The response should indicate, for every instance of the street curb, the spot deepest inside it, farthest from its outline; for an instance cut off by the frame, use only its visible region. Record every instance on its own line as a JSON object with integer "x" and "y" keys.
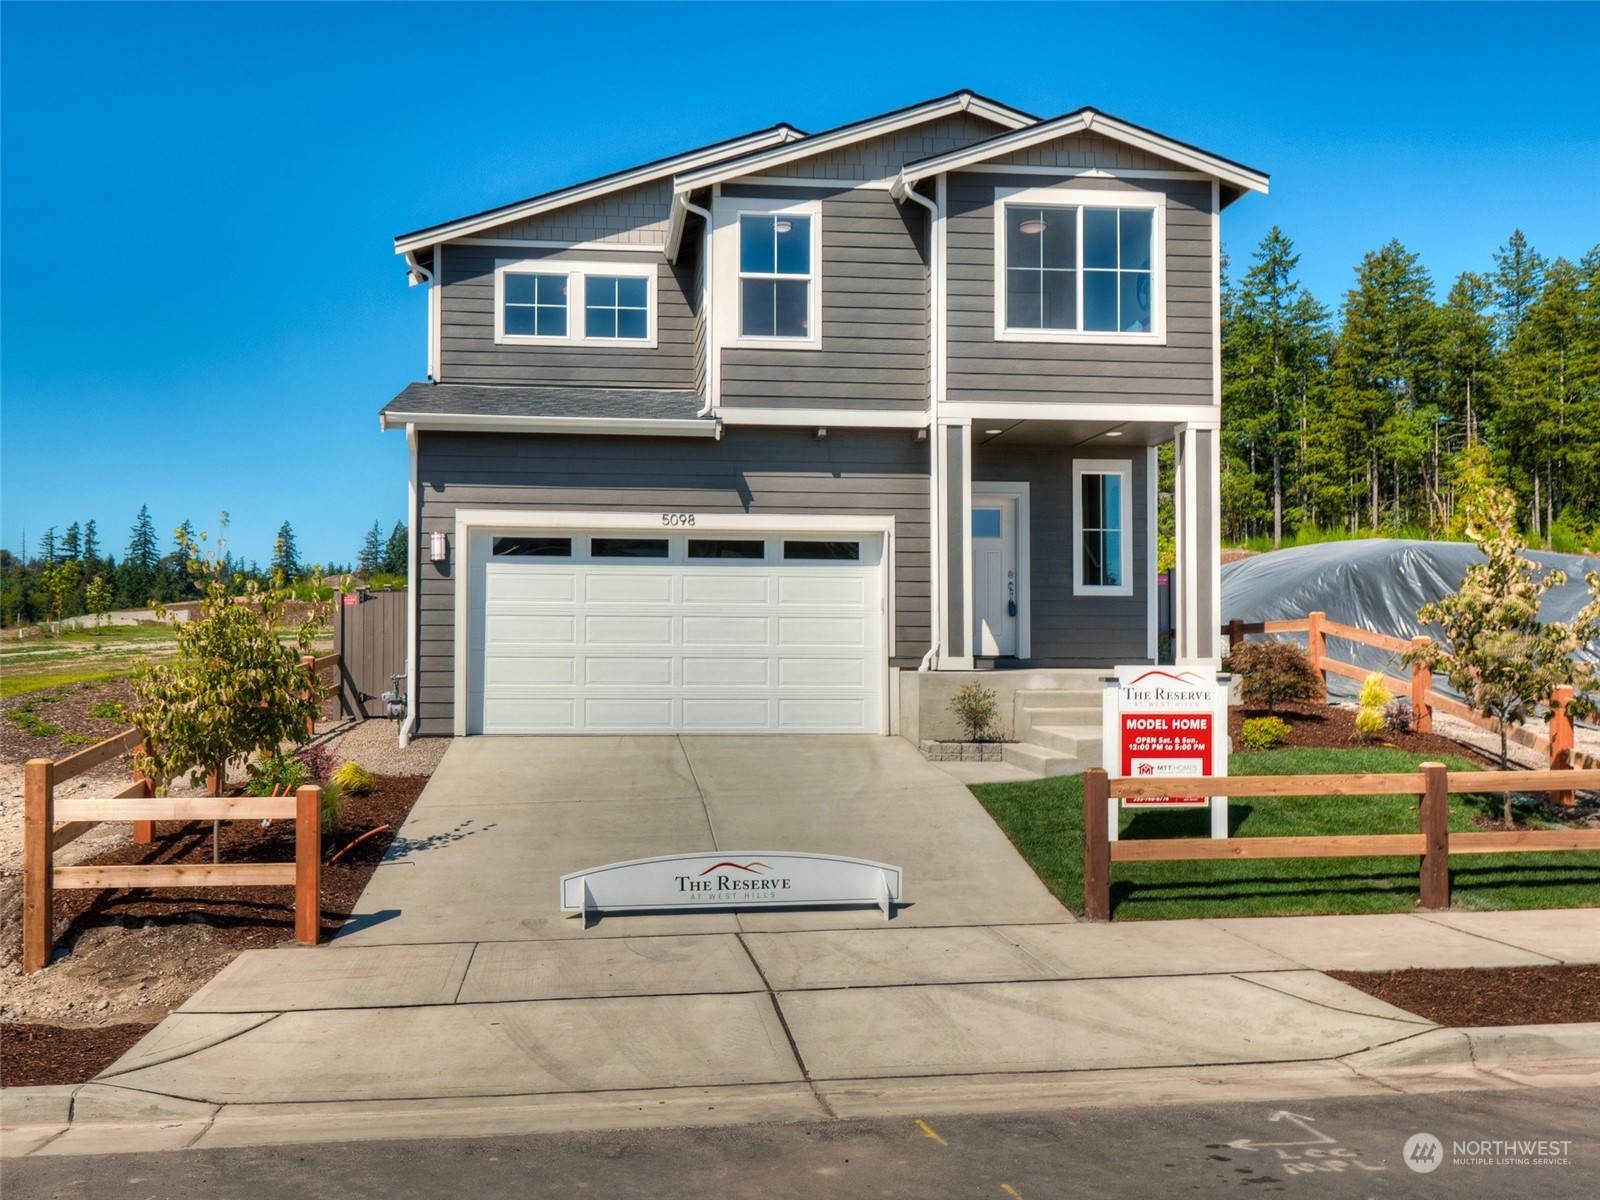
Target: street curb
{"x": 1488, "y": 1047}
{"x": 47, "y": 1105}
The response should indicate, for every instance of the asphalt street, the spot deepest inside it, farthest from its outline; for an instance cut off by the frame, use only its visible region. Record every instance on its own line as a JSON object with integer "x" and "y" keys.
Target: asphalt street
{"x": 1313, "y": 1148}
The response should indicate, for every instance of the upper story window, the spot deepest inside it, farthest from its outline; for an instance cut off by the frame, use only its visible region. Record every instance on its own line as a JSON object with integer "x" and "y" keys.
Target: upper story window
{"x": 1102, "y": 527}
{"x": 774, "y": 275}
{"x": 1079, "y": 271}
{"x": 558, "y": 301}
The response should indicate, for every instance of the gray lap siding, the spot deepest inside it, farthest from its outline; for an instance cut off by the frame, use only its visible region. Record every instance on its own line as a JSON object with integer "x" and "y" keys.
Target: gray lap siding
{"x": 1068, "y": 630}
{"x": 777, "y": 471}
{"x": 982, "y": 368}
{"x": 469, "y": 353}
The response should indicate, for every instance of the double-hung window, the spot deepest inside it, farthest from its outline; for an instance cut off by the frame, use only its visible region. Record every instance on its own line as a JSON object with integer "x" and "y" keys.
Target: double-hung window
{"x": 1079, "y": 266}
{"x": 774, "y": 275}
{"x": 560, "y": 301}
{"x": 1102, "y": 527}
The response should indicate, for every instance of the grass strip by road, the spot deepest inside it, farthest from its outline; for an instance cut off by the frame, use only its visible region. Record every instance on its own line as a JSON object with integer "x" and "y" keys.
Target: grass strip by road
{"x": 1044, "y": 820}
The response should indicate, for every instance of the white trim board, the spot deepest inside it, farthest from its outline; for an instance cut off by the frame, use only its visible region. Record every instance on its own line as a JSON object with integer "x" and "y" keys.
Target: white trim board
{"x": 1195, "y": 415}
{"x": 827, "y": 418}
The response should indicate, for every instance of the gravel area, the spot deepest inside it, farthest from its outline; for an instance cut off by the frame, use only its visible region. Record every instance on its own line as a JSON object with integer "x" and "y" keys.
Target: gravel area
{"x": 1454, "y": 728}
{"x": 374, "y": 744}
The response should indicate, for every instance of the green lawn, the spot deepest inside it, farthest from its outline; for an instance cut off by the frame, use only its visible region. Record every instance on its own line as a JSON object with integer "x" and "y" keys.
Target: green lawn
{"x": 1044, "y": 820}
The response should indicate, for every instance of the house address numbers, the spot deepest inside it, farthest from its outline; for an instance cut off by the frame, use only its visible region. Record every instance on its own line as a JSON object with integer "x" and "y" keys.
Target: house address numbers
{"x": 677, "y": 518}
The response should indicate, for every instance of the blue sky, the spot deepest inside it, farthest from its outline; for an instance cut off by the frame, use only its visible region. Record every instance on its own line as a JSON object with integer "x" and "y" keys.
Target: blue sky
{"x": 200, "y": 308}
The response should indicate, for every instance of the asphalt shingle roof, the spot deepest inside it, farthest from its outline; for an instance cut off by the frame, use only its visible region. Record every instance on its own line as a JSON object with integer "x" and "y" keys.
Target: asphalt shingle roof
{"x": 464, "y": 399}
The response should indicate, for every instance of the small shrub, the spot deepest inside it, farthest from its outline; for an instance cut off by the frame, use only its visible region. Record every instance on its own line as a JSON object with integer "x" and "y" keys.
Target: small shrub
{"x": 316, "y": 760}
{"x": 332, "y": 805}
{"x": 108, "y": 710}
{"x": 353, "y": 779}
{"x": 1263, "y": 733}
{"x": 976, "y": 707}
{"x": 1272, "y": 672}
{"x": 1398, "y": 717}
{"x": 1373, "y": 719}
{"x": 281, "y": 772}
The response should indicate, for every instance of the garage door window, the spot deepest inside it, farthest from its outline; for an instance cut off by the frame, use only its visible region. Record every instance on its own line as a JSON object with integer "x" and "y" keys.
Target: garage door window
{"x": 836, "y": 551}
{"x": 612, "y": 547}
{"x": 532, "y": 547}
{"x": 726, "y": 548}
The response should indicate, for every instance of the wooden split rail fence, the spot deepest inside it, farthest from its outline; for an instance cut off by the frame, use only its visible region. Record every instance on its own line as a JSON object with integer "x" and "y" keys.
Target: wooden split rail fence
{"x": 1558, "y": 746}
{"x": 136, "y": 803}
{"x": 1433, "y": 783}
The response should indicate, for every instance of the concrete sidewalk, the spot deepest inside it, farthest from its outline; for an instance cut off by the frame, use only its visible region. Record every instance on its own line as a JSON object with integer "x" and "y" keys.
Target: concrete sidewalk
{"x": 462, "y": 1002}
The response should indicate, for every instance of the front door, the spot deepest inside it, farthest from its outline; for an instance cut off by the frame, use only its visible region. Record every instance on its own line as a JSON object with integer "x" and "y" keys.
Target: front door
{"x": 994, "y": 579}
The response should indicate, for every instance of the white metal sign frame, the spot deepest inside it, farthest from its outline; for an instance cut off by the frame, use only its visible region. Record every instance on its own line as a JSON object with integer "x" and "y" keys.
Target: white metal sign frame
{"x": 1168, "y": 691}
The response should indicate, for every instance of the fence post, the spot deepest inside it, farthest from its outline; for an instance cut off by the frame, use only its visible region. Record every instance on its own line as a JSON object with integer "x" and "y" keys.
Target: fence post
{"x": 1561, "y": 742}
{"x": 144, "y": 832}
{"x": 1096, "y": 846}
{"x": 1235, "y": 634}
{"x": 308, "y": 864}
{"x": 308, "y": 661}
{"x": 1317, "y": 647}
{"x": 38, "y": 864}
{"x": 1434, "y": 815}
{"x": 1421, "y": 685}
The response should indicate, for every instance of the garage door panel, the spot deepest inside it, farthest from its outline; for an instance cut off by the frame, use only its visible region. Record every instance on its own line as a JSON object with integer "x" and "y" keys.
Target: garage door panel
{"x": 659, "y": 645}
{"x": 627, "y": 629}
{"x": 730, "y": 671}
{"x": 633, "y": 671}
{"x": 616, "y": 587}
{"x": 724, "y": 588}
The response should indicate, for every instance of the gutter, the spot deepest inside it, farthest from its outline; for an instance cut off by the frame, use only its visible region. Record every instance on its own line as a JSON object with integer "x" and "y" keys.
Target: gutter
{"x": 705, "y": 269}
{"x": 413, "y": 593}
{"x": 935, "y": 364}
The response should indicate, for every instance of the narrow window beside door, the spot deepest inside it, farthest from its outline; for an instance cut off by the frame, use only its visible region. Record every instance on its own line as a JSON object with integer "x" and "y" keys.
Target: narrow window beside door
{"x": 1102, "y": 522}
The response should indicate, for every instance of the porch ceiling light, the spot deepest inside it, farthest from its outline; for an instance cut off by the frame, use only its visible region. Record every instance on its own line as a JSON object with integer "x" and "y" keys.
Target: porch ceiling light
{"x": 1113, "y": 433}
{"x": 1033, "y": 225}
{"x": 992, "y": 432}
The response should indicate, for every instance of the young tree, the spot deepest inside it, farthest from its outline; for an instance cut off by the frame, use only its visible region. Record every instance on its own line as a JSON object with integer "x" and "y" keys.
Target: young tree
{"x": 285, "y": 555}
{"x": 99, "y": 598}
{"x": 61, "y": 583}
{"x": 396, "y": 550}
{"x": 371, "y": 557}
{"x": 1496, "y": 652}
{"x": 235, "y": 688}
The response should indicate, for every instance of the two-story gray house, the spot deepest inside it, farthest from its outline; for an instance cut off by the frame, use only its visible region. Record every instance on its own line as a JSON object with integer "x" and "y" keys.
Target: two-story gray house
{"x": 772, "y": 435}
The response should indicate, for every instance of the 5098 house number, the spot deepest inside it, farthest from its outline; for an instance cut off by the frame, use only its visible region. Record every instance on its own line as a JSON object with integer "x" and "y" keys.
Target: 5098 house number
{"x": 670, "y": 519}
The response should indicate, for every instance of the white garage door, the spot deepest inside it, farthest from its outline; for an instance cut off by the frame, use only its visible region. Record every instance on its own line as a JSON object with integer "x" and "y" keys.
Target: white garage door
{"x": 627, "y": 632}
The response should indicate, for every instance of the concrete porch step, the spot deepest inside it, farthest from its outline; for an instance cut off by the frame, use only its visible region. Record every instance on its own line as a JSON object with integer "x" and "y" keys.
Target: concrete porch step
{"x": 1082, "y": 743}
{"x": 1084, "y": 697}
{"x": 1041, "y": 760}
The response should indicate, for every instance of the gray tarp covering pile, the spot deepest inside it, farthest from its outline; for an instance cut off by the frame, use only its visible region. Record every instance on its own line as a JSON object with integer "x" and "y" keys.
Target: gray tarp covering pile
{"x": 1378, "y": 585}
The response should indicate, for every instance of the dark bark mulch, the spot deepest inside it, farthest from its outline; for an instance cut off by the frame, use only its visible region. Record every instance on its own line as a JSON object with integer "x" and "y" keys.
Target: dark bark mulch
{"x": 66, "y": 708}
{"x": 37, "y": 1055}
{"x": 1322, "y": 726}
{"x": 1473, "y": 996}
{"x": 247, "y": 917}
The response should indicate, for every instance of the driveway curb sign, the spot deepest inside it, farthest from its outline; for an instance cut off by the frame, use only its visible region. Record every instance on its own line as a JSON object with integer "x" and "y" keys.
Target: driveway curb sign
{"x": 731, "y": 879}
{"x": 1167, "y": 721}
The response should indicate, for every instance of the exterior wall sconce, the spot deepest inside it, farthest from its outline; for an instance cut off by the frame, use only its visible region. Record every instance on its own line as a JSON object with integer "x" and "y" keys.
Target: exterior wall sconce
{"x": 437, "y": 550}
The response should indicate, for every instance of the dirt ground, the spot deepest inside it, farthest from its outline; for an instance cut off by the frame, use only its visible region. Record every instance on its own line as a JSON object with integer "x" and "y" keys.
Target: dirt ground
{"x": 1473, "y": 997}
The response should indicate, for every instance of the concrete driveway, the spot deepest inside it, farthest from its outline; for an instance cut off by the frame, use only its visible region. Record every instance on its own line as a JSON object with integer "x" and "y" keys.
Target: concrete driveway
{"x": 461, "y": 997}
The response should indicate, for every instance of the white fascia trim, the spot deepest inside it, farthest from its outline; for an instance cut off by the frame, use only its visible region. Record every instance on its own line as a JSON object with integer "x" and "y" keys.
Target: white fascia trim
{"x": 1081, "y": 122}
{"x": 451, "y": 230}
{"x": 582, "y": 247}
{"x": 487, "y": 423}
{"x": 1216, "y": 296}
{"x": 688, "y": 180}
{"x": 826, "y": 418}
{"x": 1103, "y": 466}
{"x": 1195, "y": 415}
{"x": 1079, "y": 199}
{"x": 1019, "y": 493}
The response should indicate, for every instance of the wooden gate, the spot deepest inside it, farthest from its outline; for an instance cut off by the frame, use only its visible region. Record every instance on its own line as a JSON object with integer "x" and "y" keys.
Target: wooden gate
{"x": 370, "y": 636}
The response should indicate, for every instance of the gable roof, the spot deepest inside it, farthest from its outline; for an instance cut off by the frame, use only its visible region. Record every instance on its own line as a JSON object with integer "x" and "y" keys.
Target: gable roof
{"x": 1083, "y": 120}
{"x": 857, "y": 131}
{"x": 761, "y": 139}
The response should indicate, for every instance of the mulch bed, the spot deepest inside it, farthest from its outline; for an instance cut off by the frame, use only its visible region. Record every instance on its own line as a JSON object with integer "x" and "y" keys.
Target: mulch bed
{"x": 246, "y": 917}
{"x": 67, "y": 708}
{"x": 40, "y": 1055}
{"x": 1325, "y": 727}
{"x": 1473, "y": 996}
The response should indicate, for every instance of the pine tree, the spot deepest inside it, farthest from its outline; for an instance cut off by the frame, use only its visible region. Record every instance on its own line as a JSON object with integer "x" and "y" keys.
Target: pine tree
{"x": 396, "y": 550}
{"x": 371, "y": 557}
{"x": 72, "y": 542}
{"x": 285, "y": 556}
{"x": 1518, "y": 279}
{"x": 91, "y": 543}
{"x": 142, "y": 550}
{"x": 47, "y": 546}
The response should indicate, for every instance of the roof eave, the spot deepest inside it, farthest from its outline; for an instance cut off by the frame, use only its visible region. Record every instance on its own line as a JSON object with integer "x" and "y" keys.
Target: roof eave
{"x": 507, "y": 423}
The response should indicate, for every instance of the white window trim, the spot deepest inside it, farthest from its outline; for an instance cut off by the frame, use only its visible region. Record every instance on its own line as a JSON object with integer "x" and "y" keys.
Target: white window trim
{"x": 726, "y": 211}
{"x": 1082, "y": 198}
{"x": 1102, "y": 466}
{"x": 577, "y": 273}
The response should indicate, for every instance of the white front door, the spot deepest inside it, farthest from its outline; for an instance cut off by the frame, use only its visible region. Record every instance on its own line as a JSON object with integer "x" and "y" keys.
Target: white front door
{"x": 994, "y": 576}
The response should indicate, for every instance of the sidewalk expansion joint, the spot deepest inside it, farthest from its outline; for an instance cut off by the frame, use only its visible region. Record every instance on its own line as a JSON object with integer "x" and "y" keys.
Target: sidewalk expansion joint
{"x": 783, "y": 1021}
{"x": 266, "y": 1019}
{"x": 1429, "y": 917}
{"x": 466, "y": 972}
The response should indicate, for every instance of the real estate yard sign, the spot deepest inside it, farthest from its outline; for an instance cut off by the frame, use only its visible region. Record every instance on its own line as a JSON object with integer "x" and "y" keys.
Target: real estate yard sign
{"x": 1167, "y": 721}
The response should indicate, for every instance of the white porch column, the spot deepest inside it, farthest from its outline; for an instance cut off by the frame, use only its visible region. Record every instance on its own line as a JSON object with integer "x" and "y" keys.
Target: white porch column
{"x": 952, "y": 556}
{"x": 1197, "y": 495}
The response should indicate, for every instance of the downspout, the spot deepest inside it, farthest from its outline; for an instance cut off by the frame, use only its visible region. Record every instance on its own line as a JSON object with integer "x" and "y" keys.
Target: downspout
{"x": 705, "y": 267}
{"x": 935, "y": 364}
{"x": 413, "y": 599}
